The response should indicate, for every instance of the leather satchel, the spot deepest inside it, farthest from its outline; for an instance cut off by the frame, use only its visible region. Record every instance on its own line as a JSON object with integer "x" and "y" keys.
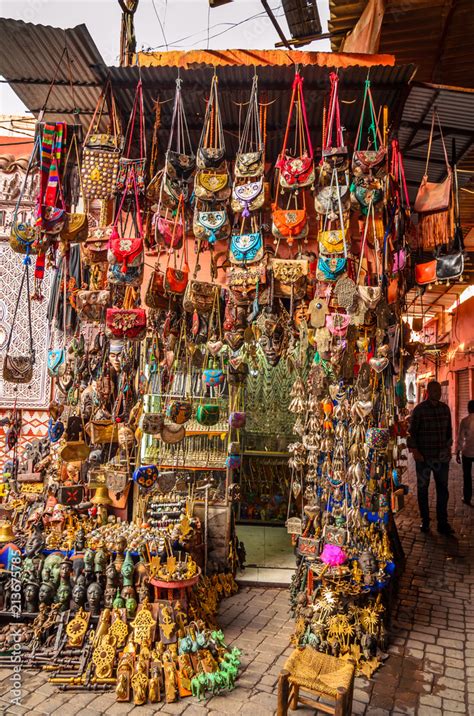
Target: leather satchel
{"x": 199, "y": 296}
{"x": 155, "y": 296}
{"x": 95, "y": 248}
{"x": 425, "y": 273}
{"x": 176, "y": 280}
{"x": 449, "y": 266}
{"x": 434, "y": 196}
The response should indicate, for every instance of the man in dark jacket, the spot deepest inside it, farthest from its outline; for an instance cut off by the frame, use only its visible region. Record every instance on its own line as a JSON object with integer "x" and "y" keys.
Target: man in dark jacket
{"x": 431, "y": 438}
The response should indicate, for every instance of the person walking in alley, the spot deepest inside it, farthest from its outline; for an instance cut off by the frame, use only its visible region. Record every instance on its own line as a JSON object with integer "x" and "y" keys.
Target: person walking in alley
{"x": 465, "y": 451}
{"x": 430, "y": 441}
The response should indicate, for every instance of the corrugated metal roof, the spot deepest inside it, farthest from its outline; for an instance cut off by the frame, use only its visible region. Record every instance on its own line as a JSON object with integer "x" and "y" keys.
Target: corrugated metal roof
{"x": 388, "y": 86}
{"x": 434, "y": 34}
{"x": 30, "y": 56}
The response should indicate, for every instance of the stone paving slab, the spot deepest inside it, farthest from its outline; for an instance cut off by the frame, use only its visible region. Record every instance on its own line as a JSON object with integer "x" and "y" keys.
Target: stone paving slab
{"x": 430, "y": 670}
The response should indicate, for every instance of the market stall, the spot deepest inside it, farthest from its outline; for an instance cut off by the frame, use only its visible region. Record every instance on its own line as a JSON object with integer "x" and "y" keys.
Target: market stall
{"x": 226, "y": 344}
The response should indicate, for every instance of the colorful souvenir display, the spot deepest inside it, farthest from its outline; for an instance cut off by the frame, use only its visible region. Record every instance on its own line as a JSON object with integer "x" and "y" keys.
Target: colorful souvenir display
{"x": 271, "y": 375}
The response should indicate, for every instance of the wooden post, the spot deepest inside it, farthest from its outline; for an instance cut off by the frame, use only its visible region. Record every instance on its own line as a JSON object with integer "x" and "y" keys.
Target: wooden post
{"x": 294, "y": 693}
{"x": 340, "y": 707}
{"x": 283, "y": 693}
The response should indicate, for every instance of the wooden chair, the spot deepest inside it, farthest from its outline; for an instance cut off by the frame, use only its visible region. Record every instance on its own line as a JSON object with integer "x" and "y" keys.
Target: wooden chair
{"x": 320, "y": 676}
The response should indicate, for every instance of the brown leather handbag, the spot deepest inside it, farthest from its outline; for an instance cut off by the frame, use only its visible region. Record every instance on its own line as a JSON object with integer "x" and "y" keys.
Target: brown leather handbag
{"x": 434, "y": 196}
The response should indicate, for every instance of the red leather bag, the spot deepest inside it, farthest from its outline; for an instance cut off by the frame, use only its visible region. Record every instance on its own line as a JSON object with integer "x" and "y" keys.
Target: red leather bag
{"x": 425, "y": 273}
{"x": 176, "y": 279}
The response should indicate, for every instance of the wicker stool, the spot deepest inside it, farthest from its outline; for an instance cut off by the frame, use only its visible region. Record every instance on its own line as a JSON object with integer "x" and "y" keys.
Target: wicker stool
{"x": 322, "y": 676}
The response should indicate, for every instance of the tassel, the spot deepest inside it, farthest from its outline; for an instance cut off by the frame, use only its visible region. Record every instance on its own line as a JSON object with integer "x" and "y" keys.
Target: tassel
{"x": 195, "y": 327}
{"x": 246, "y": 212}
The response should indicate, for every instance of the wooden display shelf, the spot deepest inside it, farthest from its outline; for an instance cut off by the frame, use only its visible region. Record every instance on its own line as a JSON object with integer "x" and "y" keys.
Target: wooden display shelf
{"x": 265, "y": 453}
{"x": 191, "y": 467}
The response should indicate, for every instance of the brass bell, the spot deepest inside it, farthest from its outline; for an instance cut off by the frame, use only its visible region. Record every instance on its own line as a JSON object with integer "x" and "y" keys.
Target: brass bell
{"x": 101, "y": 496}
{"x": 6, "y": 532}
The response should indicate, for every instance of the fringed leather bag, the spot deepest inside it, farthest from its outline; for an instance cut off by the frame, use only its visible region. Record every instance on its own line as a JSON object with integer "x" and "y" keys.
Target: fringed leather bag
{"x": 433, "y": 201}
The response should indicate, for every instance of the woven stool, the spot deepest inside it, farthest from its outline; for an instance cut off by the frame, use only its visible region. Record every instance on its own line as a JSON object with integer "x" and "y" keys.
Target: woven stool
{"x": 322, "y": 677}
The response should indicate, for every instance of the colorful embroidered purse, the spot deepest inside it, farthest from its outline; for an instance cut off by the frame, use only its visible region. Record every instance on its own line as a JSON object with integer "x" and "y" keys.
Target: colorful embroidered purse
{"x": 329, "y": 269}
{"x": 289, "y": 224}
{"x": 332, "y": 242}
{"x": 199, "y": 296}
{"x": 297, "y": 171}
{"x": 95, "y": 248}
{"x": 91, "y": 305}
{"x": 248, "y": 197}
{"x": 179, "y": 162}
{"x": 211, "y": 225}
{"x": 127, "y": 253}
{"x": 212, "y": 185}
{"x": 246, "y": 248}
{"x": 371, "y": 163}
{"x": 180, "y": 166}
{"x": 249, "y": 164}
{"x": 126, "y": 323}
{"x": 290, "y": 277}
{"x": 210, "y": 158}
{"x": 131, "y": 171}
{"x": 334, "y": 157}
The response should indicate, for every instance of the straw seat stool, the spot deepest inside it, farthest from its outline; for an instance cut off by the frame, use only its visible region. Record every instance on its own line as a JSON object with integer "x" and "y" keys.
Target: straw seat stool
{"x": 320, "y": 676}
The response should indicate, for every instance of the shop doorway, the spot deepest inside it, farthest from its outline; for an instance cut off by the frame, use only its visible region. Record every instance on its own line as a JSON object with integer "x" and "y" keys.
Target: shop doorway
{"x": 261, "y": 517}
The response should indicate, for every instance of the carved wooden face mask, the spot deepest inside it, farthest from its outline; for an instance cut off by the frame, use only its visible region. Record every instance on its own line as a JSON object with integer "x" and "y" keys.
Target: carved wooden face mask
{"x": 272, "y": 338}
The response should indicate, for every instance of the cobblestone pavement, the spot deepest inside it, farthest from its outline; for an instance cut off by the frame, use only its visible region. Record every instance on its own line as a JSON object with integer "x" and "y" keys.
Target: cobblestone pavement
{"x": 430, "y": 670}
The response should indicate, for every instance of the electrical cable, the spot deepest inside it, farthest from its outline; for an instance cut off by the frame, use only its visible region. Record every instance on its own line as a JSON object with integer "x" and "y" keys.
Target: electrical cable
{"x": 160, "y": 23}
{"x": 231, "y": 26}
